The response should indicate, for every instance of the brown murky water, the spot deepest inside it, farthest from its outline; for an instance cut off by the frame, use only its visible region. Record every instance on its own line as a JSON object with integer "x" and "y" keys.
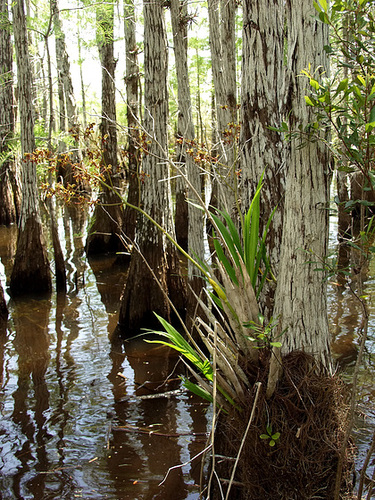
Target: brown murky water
{"x": 76, "y": 419}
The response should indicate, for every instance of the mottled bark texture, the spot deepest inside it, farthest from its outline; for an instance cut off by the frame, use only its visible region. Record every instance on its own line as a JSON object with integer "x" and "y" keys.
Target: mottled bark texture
{"x": 31, "y": 271}
{"x": 9, "y": 192}
{"x": 143, "y": 294}
{"x": 188, "y": 216}
{"x": 105, "y": 230}
{"x": 262, "y": 107}
{"x": 223, "y": 56}
{"x": 185, "y": 129}
{"x": 132, "y": 116}
{"x": 301, "y": 299}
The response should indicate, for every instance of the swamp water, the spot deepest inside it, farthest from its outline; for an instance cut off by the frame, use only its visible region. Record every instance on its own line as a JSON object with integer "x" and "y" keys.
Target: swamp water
{"x": 77, "y": 419}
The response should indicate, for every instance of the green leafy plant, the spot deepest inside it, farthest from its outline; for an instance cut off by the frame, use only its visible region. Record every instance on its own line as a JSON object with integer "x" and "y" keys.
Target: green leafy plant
{"x": 246, "y": 247}
{"x": 199, "y": 364}
{"x": 231, "y": 306}
{"x": 273, "y": 437}
{"x": 262, "y": 334}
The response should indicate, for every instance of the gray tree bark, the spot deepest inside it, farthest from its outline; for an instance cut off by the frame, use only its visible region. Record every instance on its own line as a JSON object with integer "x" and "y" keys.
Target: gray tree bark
{"x": 263, "y": 106}
{"x": 31, "y": 271}
{"x": 9, "y": 191}
{"x": 132, "y": 116}
{"x": 301, "y": 298}
{"x": 222, "y": 33}
{"x": 142, "y": 294}
{"x": 185, "y": 135}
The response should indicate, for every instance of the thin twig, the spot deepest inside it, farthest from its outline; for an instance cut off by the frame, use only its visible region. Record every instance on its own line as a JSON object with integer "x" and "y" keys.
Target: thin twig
{"x": 185, "y": 463}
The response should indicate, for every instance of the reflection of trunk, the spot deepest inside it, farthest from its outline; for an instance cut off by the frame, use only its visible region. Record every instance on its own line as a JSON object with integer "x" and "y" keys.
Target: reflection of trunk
{"x": 31, "y": 271}
{"x": 3, "y": 310}
{"x": 30, "y": 413}
{"x": 142, "y": 294}
{"x": 261, "y": 107}
{"x": 132, "y": 103}
{"x": 107, "y": 219}
{"x": 8, "y": 191}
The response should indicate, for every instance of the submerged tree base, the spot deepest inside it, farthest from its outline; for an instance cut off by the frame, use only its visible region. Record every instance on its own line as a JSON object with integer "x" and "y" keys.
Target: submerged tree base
{"x": 31, "y": 271}
{"x": 309, "y": 411}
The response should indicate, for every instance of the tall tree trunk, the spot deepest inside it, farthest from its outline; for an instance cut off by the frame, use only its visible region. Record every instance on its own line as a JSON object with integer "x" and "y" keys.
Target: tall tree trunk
{"x": 60, "y": 269}
{"x": 31, "y": 271}
{"x": 8, "y": 189}
{"x": 79, "y": 47}
{"x": 185, "y": 127}
{"x": 132, "y": 116}
{"x": 301, "y": 298}
{"x": 63, "y": 68}
{"x": 262, "y": 107}
{"x": 142, "y": 294}
{"x": 222, "y": 31}
{"x": 108, "y": 216}
{"x": 186, "y": 214}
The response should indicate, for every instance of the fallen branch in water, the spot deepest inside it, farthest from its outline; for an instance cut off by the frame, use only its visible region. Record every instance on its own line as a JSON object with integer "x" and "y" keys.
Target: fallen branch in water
{"x": 142, "y": 430}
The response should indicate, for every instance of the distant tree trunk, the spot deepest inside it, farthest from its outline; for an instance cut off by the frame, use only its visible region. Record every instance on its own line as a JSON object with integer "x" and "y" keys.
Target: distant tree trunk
{"x": 185, "y": 127}
{"x": 60, "y": 269}
{"x": 108, "y": 215}
{"x": 132, "y": 113}
{"x": 222, "y": 31}
{"x": 63, "y": 69}
{"x": 9, "y": 203}
{"x": 262, "y": 107}
{"x": 31, "y": 272}
{"x": 186, "y": 214}
{"x": 142, "y": 294}
{"x": 79, "y": 47}
{"x": 301, "y": 295}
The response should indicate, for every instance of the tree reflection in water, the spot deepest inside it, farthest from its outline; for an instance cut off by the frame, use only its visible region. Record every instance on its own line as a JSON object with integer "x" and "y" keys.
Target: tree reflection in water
{"x": 62, "y": 398}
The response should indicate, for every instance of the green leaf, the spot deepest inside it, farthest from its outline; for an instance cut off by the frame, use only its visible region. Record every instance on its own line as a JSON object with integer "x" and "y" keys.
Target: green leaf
{"x": 317, "y": 7}
{"x": 233, "y": 231}
{"x": 227, "y": 239}
{"x": 264, "y": 436}
{"x": 343, "y": 85}
{"x": 272, "y": 442}
{"x": 276, "y": 344}
{"x": 324, "y": 5}
{"x": 314, "y": 84}
{"x": 223, "y": 259}
{"x": 276, "y": 436}
{"x": 372, "y": 115}
{"x": 197, "y": 390}
{"x": 309, "y": 101}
